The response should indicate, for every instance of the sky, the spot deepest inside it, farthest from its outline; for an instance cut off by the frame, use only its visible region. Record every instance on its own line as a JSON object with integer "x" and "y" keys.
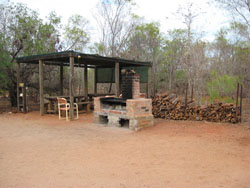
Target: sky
{"x": 210, "y": 20}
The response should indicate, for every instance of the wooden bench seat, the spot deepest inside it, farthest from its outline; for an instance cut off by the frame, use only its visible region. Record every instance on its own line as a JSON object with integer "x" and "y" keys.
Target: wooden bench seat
{"x": 87, "y": 103}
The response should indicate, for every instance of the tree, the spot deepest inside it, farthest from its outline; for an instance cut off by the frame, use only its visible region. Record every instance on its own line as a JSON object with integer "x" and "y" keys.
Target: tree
{"x": 4, "y": 63}
{"x": 115, "y": 23}
{"x": 221, "y": 85}
{"x": 174, "y": 49}
{"x": 75, "y": 33}
{"x": 193, "y": 60}
{"x": 188, "y": 14}
{"x": 239, "y": 38}
{"x": 231, "y": 50}
{"x": 24, "y": 33}
{"x": 145, "y": 44}
{"x": 239, "y": 9}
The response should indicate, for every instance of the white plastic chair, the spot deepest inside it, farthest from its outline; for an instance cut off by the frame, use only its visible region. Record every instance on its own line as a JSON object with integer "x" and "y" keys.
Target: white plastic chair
{"x": 65, "y": 106}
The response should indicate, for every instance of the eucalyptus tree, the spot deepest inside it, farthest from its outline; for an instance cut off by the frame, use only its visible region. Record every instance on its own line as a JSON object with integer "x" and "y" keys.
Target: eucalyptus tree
{"x": 231, "y": 47}
{"x": 174, "y": 50}
{"x": 145, "y": 44}
{"x": 23, "y": 33}
{"x": 76, "y": 34}
{"x": 238, "y": 9}
{"x": 115, "y": 24}
{"x": 193, "y": 61}
{"x": 231, "y": 53}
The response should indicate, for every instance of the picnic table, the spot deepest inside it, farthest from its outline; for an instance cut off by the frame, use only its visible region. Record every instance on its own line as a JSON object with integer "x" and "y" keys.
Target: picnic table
{"x": 79, "y": 99}
{"x": 52, "y": 102}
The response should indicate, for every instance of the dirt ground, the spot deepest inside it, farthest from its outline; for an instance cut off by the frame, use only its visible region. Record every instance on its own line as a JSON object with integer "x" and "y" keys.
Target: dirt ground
{"x": 43, "y": 152}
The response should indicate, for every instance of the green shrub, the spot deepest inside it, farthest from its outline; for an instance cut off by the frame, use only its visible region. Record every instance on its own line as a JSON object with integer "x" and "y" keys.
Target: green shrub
{"x": 221, "y": 86}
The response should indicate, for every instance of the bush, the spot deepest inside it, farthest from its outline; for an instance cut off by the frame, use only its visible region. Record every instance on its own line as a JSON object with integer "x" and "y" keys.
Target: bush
{"x": 221, "y": 85}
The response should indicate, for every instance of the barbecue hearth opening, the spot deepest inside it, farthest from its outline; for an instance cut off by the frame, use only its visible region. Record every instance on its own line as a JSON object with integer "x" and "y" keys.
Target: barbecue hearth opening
{"x": 124, "y": 123}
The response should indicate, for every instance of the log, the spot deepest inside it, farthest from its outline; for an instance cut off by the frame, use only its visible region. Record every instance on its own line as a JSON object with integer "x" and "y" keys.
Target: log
{"x": 168, "y": 106}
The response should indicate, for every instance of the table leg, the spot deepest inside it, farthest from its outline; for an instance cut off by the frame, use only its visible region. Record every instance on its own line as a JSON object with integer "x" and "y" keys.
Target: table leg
{"x": 49, "y": 106}
{"x": 88, "y": 108}
{"x": 55, "y": 107}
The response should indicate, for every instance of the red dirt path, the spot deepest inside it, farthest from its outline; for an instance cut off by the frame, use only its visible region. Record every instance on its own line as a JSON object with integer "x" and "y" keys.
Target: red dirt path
{"x": 43, "y": 152}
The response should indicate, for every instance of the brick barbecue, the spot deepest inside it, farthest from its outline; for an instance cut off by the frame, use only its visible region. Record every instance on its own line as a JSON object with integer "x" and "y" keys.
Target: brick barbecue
{"x": 132, "y": 109}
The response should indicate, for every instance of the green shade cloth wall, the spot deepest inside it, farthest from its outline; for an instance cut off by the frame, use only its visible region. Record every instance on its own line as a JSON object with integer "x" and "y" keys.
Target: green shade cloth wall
{"x": 107, "y": 75}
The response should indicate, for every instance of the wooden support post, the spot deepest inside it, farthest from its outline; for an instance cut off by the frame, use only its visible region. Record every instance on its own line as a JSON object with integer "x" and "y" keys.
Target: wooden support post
{"x": 71, "y": 87}
{"x": 117, "y": 80}
{"x": 95, "y": 82}
{"x": 86, "y": 81}
{"x": 41, "y": 64}
{"x": 186, "y": 95}
{"x": 241, "y": 93}
{"x": 149, "y": 89}
{"x": 61, "y": 79}
{"x": 17, "y": 86}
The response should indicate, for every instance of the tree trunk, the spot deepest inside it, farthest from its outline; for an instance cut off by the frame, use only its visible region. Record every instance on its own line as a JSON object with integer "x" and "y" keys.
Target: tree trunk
{"x": 12, "y": 93}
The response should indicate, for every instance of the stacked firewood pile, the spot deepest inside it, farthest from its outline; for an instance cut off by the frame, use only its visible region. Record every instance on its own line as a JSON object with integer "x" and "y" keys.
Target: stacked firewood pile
{"x": 170, "y": 107}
